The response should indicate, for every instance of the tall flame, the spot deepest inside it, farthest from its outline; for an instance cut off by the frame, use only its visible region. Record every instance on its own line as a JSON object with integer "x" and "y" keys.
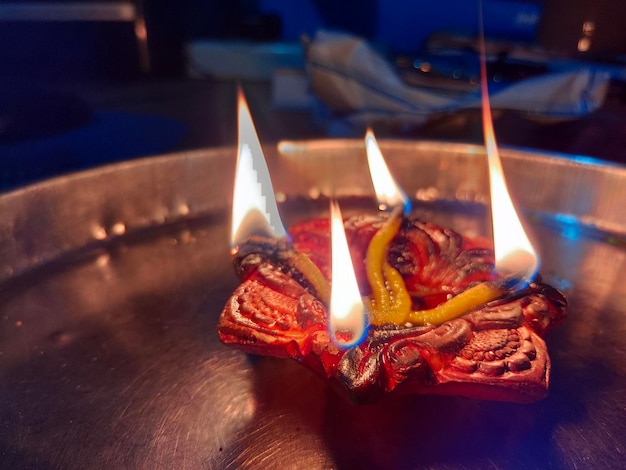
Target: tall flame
{"x": 515, "y": 255}
{"x": 348, "y": 319}
{"x": 388, "y": 193}
{"x": 254, "y": 208}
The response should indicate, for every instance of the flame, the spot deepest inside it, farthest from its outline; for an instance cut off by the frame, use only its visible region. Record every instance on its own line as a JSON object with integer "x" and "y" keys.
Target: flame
{"x": 254, "y": 208}
{"x": 515, "y": 255}
{"x": 388, "y": 193}
{"x": 348, "y": 318}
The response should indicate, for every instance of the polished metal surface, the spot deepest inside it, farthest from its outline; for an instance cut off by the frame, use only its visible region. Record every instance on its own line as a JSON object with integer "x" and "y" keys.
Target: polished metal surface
{"x": 111, "y": 283}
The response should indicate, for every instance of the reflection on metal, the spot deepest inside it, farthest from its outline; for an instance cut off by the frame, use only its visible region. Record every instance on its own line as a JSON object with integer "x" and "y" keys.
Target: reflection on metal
{"x": 145, "y": 193}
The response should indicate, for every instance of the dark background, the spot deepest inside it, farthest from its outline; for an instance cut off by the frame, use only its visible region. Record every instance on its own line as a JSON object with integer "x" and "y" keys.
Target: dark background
{"x": 78, "y": 94}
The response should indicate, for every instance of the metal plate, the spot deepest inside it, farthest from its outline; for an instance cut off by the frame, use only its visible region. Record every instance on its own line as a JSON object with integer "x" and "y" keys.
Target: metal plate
{"x": 111, "y": 283}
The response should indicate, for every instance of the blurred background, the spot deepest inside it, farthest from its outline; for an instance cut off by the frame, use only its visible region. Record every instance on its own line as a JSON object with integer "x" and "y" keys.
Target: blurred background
{"x": 85, "y": 83}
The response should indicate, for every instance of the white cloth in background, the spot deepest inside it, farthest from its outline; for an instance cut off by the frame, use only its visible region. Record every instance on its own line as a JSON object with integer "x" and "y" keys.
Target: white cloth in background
{"x": 355, "y": 82}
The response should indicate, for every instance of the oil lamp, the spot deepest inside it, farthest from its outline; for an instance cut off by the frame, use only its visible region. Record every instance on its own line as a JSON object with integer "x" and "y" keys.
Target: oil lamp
{"x": 425, "y": 323}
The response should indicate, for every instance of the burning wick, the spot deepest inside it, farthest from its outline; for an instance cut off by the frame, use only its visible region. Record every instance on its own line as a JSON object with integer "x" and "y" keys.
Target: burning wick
{"x": 390, "y": 302}
{"x": 255, "y": 213}
{"x": 388, "y": 193}
{"x": 347, "y": 314}
{"x": 515, "y": 255}
{"x": 254, "y": 209}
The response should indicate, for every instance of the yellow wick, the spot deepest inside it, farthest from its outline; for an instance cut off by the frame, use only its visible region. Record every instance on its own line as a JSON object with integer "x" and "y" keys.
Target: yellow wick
{"x": 390, "y": 302}
{"x": 375, "y": 261}
{"x": 312, "y": 274}
{"x": 463, "y": 303}
{"x": 399, "y": 300}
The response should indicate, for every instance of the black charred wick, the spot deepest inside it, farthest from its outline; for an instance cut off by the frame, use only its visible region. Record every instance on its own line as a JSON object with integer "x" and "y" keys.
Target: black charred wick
{"x": 258, "y": 249}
